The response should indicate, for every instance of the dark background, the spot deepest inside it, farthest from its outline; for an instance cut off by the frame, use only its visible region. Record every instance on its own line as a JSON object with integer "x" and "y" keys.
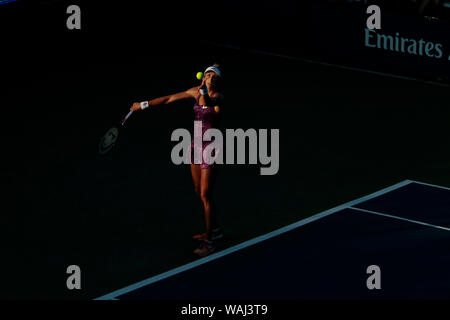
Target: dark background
{"x": 62, "y": 89}
{"x": 125, "y": 218}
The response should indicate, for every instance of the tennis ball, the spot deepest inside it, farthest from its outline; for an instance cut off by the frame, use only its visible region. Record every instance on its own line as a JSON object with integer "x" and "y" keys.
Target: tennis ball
{"x": 199, "y": 75}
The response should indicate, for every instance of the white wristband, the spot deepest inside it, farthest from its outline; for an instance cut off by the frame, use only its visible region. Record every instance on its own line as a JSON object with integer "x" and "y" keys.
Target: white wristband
{"x": 204, "y": 91}
{"x": 144, "y": 105}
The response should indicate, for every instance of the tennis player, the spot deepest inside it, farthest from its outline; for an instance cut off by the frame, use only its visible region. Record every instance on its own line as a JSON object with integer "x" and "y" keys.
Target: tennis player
{"x": 207, "y": 108}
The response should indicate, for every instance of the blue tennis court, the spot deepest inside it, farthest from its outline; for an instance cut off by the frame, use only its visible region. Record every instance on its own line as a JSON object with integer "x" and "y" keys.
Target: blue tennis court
{"x": 404, "y": 229}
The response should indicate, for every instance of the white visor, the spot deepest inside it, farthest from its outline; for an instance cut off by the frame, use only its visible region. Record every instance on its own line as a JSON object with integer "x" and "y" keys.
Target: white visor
{"x": 215, "y": 69}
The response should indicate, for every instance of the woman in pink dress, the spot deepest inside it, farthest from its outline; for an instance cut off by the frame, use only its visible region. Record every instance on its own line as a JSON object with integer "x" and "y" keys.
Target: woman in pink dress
{"x": 208, "y": 102}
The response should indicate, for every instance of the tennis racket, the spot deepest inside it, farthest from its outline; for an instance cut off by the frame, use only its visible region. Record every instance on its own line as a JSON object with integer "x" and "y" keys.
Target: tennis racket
{"x": 109, "y": 140}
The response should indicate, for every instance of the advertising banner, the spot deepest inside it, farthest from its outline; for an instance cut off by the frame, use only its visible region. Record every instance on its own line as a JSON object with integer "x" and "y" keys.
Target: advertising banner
{"x": 407, "y": 45}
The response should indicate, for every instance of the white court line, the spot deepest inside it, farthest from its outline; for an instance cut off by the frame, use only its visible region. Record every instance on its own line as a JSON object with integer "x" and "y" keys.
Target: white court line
{"x": 390, "y": 75}
{"x": 430, "y": 185}
{"x": 400, "y": 218}
{"x": 248, "y": 243}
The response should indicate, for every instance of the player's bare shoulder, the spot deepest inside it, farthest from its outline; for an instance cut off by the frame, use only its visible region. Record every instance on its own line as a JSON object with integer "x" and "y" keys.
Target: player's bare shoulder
{"x": 218, "y": 95}
{"x": 218, "y": 98}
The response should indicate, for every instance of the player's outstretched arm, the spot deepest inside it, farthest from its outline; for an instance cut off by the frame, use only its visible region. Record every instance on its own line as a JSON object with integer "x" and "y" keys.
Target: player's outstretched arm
{"x": 190, "y": 93}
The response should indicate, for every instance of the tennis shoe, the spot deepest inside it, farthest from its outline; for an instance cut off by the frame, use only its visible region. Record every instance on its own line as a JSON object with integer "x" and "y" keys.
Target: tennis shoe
{"x": 215, "y": 234}
{"x": 206, "y": 247}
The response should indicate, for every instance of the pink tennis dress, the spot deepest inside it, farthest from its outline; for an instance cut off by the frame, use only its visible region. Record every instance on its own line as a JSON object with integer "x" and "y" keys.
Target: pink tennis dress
{"x": 209, "y": 119}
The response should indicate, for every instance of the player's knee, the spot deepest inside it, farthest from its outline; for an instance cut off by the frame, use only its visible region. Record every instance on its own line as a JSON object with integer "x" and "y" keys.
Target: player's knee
{"x": 204, "y": 195}
{"x": 197, "y": 190}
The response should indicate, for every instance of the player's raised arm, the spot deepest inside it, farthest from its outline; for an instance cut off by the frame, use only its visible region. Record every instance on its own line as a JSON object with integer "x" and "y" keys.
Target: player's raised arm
{"x": 190, "y": 93}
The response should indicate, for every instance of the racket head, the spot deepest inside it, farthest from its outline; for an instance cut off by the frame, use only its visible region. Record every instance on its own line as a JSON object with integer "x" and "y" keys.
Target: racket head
{"x": 108, "y": 141}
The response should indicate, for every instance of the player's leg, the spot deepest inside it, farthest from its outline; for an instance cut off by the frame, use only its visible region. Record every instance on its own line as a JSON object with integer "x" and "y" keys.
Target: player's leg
{"x": 195, "y": 172}
{"x": 205, "y": 195}
{"x": 206, "y": 188}
{"x": 206, "y": 183}
{"x": 202, "y": 186}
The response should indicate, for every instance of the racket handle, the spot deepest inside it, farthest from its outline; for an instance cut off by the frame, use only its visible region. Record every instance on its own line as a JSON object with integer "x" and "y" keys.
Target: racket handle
{"x": 126, "y": 117}
{"x": 129, "y": 114}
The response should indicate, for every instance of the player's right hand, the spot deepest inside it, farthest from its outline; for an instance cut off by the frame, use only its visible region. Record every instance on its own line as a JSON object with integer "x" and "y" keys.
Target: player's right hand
{"x": 203, "y": 90}
{"x": 136, "y": 106}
